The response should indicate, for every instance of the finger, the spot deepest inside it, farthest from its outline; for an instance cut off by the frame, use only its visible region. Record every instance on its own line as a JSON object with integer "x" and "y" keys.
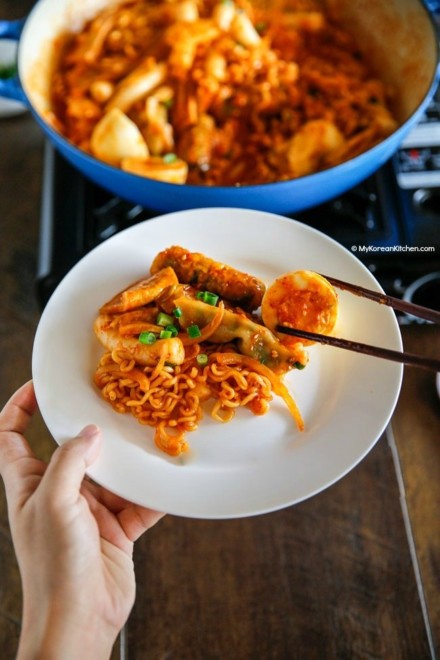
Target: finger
{"x": 123, "y": 528}
{"x": 109, "y": 528}
{"x": 69, "y": 462}
{"x": 14, "y": 420}
{"x": 19, "y": 409}
{"x": 135, "y": 520}
{"x": 111, "y": 501}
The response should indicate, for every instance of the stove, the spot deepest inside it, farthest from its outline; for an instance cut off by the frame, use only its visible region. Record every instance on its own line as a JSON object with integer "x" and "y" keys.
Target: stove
{"x": 390, "y": 221}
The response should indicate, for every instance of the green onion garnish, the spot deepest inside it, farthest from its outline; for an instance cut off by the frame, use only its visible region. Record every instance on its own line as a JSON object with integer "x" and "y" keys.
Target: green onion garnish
{"x": 164, "y": 319}
{"x": 202, "y": 359}
{"x": 193, "y": 331}
{"x": 169, "y": 158}
{"x": 147, "y": 338}
{"x": 208, "y": 297}
{"x": 299, "y": 365}
{"x": 177, "y": 312}
{"x": 165, "y": 334}
{"x": 172, "y": 328}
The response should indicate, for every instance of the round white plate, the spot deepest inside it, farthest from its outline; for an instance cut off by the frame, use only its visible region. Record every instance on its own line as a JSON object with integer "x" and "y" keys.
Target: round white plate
{"x": 253, "y": 464}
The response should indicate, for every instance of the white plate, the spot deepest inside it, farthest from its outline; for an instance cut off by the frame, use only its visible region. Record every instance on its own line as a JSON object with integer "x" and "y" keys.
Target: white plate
{"x": 253, "y": 464}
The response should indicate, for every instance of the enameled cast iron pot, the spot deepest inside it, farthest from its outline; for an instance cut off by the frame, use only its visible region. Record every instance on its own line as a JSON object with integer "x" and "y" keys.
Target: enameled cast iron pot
{"x": 397, "y": 36}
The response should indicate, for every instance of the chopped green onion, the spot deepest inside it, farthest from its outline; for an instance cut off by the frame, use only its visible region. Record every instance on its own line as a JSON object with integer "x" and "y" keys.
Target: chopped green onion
{"x": 194, "y": 331}
{"x": 147, "y": 338}
{"x": 169, "y": 158}
{"x": 177, "y": 312}
{"x": 260, "y": 26}
{"x": 208, "y": 297}
{"x": 165, "y": 334}
{"x": 172, "y": 328}
{"x": 168, "y": 103}
{"x": 202, "y": 359}
{"x": 299, "y": 365}
{"x": 211, "y": 298}
{"x": 164, "y": 319}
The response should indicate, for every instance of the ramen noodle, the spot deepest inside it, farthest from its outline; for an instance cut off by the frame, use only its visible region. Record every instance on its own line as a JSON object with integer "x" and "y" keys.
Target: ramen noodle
{"x": 173, "y": 347}
{"x": 218, "y": 93}
{"x": 170, "y": 398}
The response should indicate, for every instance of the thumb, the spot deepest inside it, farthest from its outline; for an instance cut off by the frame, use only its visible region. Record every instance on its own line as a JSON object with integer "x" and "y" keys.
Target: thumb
{"x": 69, "y": 462}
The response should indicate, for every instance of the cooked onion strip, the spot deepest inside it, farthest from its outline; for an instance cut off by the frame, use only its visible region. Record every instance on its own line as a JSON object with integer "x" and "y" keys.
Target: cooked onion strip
{"x": 208, "y": 329}
{"x": 132, "y": 329}
{"x": 277, "y": 385}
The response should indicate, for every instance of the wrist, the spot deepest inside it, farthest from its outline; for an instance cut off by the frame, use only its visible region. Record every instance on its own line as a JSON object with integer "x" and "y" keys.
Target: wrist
{"x": 53, "y": 634}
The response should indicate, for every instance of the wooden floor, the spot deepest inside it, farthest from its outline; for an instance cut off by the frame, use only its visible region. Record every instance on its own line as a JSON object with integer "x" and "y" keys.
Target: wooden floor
{"x": 351, "y": 573}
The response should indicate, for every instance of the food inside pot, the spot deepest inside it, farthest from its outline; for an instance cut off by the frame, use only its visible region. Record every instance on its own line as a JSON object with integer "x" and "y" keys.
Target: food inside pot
{"x": 218, "y": 93}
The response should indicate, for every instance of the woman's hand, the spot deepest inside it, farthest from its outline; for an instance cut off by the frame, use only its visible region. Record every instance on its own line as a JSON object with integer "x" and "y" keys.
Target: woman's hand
{"x": 73, "y": 541}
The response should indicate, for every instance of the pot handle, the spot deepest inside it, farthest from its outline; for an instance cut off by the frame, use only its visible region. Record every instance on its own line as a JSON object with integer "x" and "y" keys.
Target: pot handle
{"x": 11, "y": 88}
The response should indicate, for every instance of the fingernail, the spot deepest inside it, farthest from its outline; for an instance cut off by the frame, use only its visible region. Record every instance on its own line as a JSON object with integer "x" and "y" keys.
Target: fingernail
{"x": 90, "y": 431}
{"x": 92, "y": 434}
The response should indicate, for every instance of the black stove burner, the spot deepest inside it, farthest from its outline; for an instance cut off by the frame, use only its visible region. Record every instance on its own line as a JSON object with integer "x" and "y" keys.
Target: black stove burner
{"x": 371, "y": 220}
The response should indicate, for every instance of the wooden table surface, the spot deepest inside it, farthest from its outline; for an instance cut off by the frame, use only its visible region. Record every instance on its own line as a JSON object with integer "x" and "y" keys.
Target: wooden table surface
{"x": 353, "y": 572}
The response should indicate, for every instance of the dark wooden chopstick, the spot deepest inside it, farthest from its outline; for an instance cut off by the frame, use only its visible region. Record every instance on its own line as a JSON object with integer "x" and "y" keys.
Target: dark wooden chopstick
{"x": 366, "y": 349}
{"x": 396, "y": 303}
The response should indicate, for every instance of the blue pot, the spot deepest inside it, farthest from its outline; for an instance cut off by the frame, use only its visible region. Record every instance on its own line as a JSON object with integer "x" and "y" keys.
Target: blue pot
{"x": 398, "y": 36}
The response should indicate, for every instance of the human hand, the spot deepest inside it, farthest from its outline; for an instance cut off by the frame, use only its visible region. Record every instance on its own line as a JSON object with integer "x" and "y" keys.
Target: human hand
{"x": 73, "y": 541}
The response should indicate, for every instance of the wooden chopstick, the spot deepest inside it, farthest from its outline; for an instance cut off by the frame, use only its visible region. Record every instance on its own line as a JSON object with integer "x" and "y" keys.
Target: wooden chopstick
{"x": 396, "y": 303}
{"x": 367, "y": 349}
